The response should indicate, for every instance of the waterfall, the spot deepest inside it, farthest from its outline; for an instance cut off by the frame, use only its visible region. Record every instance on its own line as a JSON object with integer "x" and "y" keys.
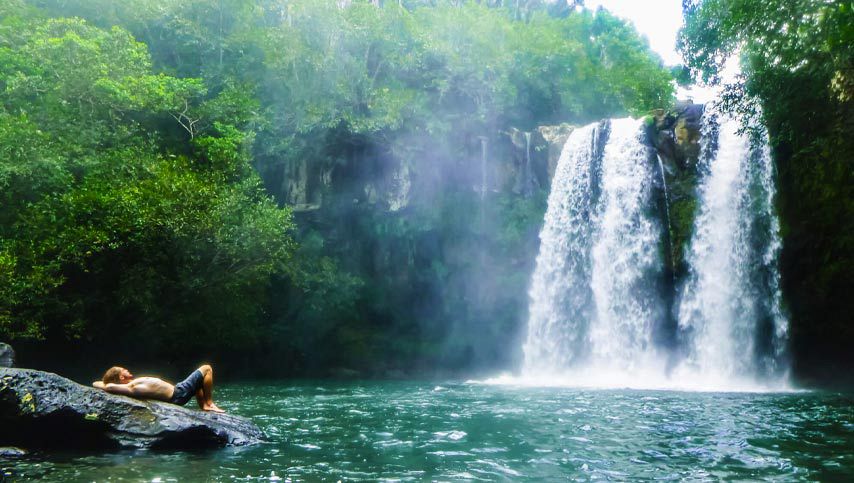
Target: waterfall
{"x": 560, "y": 294}
{"x": 598, "y": 295}
{"x": 625, "y": 252}
{"x": 590, "y": 301}
{"x": 731, "y": 300}
{"x": 775, "y": 361}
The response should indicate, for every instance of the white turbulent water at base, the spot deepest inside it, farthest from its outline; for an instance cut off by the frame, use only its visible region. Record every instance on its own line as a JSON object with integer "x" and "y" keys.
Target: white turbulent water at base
{"x": 560, "y": 293}
{"x": 722, "y": 301}
{"x": 624, "y": 252}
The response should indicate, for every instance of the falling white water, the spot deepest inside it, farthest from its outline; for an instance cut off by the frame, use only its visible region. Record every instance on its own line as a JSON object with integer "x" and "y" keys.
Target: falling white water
{"x": 594, "y": 303}
{"x": 528, "y": 186}
{"x": 591, "y": 305}
{"x": 733, "y": 282}
{"x": 625, "y": 251}
{"x": 560, "y": 294}
{"x": 776, "y": 362}
{"x": 716, "y": 305}
{"x": 597, "y": 295}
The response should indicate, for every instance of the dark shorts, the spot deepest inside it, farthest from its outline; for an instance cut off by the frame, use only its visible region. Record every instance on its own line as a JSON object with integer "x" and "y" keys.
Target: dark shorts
{"x": 186, "y": 389}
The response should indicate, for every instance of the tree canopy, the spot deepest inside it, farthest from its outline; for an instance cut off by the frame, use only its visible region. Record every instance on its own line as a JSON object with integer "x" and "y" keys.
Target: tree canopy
{"x": 141, "y": 142}
{"x": 116, "y": 220}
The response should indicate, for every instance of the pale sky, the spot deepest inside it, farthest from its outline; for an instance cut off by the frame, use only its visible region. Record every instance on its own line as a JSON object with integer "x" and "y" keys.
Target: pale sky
{"x": 657, "y": 20}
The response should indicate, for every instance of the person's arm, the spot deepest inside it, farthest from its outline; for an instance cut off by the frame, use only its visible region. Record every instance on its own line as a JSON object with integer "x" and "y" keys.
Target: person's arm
{"x": 123, "y": 389}
{"x": 98, "y": 384}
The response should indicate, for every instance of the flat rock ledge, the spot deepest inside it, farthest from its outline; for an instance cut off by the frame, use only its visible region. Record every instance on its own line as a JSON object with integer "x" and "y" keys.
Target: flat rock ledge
{"x": 41, "y": 410}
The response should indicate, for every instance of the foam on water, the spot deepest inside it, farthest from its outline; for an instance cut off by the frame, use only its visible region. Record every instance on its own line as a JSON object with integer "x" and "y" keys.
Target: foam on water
{"x": 652, "y": 378}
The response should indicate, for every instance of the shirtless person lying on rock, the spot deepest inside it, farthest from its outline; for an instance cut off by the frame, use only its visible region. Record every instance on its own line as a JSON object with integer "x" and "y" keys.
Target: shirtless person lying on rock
{"x": 118, "y": 380}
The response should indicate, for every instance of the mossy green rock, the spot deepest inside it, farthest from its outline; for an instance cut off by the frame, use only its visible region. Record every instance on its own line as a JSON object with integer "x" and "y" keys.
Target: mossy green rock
{"x": 41, "y": 410}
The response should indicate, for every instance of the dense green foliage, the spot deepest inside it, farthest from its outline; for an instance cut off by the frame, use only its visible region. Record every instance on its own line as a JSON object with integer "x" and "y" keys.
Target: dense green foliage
{"x": 798, "y": 78}
{"x": 130, "y": 137}
{"x": 113, "y": 220}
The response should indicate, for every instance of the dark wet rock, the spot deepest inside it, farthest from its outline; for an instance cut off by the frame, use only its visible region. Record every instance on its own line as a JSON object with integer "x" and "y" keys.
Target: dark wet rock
{"x": 396, "y": 374}
{"x": 41, "y": 410}
{"x": 12, "y": 452}
{"x": 687, "y": 132}
{"x": 675, "y": 134}
{"x": 7, "y": 355}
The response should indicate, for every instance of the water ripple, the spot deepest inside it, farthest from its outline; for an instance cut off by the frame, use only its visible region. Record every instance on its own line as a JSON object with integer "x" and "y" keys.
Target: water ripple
{"x": 404, "y": 431}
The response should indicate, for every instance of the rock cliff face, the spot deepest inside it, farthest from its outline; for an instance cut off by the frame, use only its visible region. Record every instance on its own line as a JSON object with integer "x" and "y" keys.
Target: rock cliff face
{"x": 554, "y": 137}
{"x": 676, "y": 134}
{"x": 513, "y": 160}
{"x": 41, "y": 410}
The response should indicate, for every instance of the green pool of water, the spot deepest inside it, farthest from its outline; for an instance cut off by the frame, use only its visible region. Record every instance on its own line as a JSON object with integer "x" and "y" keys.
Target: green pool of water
{"x": 453, "y": 431}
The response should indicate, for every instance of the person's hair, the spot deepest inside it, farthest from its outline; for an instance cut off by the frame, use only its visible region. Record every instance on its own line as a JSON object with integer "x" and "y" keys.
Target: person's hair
{"x": 113, "y": 375}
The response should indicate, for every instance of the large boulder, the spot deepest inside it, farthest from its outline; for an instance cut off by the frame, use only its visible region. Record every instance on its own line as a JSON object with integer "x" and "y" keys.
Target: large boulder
{"x": 7, "y": 355}
{"x": 12, "y": 452}
{"x": 41, "y": 410}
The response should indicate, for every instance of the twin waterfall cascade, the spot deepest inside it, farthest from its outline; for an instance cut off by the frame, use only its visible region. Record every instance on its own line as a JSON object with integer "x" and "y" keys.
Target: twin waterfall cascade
{"x": 604, "y": 308}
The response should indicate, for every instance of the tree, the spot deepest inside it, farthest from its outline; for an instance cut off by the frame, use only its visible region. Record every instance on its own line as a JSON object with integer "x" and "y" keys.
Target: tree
{"x": 129, "y": 201}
